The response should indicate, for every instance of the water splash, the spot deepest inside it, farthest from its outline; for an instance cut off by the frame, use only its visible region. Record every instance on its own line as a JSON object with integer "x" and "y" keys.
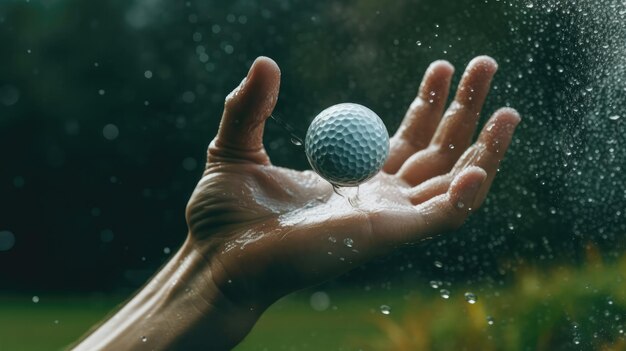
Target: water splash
{"x": 295, "y": 135}
{"x": 349, "y": 193}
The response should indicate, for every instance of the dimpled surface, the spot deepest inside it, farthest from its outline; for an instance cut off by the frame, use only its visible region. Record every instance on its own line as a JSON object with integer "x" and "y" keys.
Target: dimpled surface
{"x": 347, "y": 144}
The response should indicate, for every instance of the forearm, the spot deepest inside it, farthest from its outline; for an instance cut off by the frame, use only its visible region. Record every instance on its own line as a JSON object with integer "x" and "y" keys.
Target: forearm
{"x": 180, "y": 308}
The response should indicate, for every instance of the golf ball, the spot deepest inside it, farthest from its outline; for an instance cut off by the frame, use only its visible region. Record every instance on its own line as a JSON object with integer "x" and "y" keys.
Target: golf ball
{"x": 347, "y": 144}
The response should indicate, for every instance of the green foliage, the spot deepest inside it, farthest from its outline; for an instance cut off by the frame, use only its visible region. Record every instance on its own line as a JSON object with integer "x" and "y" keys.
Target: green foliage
{"x": 538, "y": 310}
{"x": 558, "y": 309}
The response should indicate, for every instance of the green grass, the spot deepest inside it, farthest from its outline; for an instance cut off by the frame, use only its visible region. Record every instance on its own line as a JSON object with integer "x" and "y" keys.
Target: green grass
{"x": 50, "y": 324}
{"x": 540, "y": 309}
{"x": 290, "y": 324}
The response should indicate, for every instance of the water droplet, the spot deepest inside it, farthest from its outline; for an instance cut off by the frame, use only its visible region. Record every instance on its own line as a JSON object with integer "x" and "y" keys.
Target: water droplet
{"x": 320, "y": 301}
{"x": 576, "y": 341}
{"x": 419, "y": 43}
{"x": 332, "y": 239}
{"x": 438, "y": 264}
{"x": 460, "y": 205}
{"x": 144, "y": 339}
{"x": 471, "y": 297}
{"x": 384, "y": 309}
{"x": 7, "y": 240}
{"x": 444, "y": 293}
{"x": 35, "y": 299}
{"x": 110, "y": 132}
{"x": 614, "y": 118}
{"x": 451, "y": 146}
{"x": 490, "y": 320}
{"x": 435, "y": 284}
{"x": 296, "y": 141}
{"x": 348, "y": 242}
{"x": 530, "y": 5}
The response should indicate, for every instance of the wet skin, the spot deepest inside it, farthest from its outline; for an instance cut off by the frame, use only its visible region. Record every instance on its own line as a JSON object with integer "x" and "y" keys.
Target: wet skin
{"x": 258, "y": 232}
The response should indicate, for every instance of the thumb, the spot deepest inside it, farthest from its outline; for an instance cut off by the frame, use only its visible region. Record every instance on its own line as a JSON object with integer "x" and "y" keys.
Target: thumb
{"x": 240, "y": 135}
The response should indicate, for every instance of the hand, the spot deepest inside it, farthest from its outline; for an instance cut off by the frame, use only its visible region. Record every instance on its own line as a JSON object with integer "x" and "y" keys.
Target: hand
{"x": 266, "y": 231}
{"x": 258, "y": 232}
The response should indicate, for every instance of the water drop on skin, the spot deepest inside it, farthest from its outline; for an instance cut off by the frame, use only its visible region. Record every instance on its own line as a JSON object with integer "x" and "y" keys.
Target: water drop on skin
{"x": 471, "y": 297}
{"x": 384, "y": 309}
{"x": 353, "y": 199}
{"x": 348, "y": 242}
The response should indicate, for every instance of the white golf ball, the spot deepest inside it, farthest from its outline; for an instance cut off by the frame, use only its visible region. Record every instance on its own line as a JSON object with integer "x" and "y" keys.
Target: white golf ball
{"x": 347, "y": 144}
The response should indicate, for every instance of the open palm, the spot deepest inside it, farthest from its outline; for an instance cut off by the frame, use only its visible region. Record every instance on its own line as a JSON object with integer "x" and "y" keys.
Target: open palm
{"x": 267, "y": 230}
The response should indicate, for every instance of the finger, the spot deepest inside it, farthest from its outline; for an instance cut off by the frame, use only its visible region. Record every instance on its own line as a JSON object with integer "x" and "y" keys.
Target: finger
{"x": 449, "y": 211}
{"x": 430, "y": 188}
{"x": 422, "y": 118}
{"x": 455, "y": 131}
{"x": 426, "y": 164}
{"x": 240, "y": 135}
{"x": 444, "y": 212}
{"x": 459, "y": 123}
{"x": 486, "y": 153}
{"x": 490, "y": 148}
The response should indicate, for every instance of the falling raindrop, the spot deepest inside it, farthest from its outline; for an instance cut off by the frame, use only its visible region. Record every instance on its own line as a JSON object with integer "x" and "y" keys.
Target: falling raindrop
{"x": 296, "y": 141}
{"x": 471, "y": 297}
{"x": 320, "y": 301}
{"x": 445, "y": 293}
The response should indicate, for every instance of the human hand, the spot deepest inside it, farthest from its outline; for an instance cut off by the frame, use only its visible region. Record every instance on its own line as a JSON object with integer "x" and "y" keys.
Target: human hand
{"x": 258, "y": 232}
{"x": 265, "y": 231}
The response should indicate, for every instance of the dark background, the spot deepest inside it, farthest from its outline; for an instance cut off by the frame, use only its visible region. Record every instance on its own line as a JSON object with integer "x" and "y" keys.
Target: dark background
{"x": 106, "y": 109}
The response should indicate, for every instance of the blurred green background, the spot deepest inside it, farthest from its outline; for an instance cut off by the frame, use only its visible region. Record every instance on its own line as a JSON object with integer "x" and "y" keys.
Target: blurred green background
{"x": 106, "y": 109}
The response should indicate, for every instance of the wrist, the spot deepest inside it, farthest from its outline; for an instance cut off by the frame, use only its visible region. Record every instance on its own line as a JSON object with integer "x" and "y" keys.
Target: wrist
{"x": 214, "y": 319}
{"x": 182, "y": 307}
